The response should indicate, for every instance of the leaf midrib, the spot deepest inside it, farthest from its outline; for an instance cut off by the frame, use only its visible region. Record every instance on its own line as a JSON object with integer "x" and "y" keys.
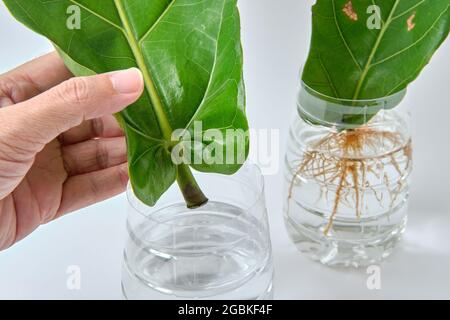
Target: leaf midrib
{"x": 374, "y": 50}
{"x": 135, "y": 45}
{"x": 150, "y": 86}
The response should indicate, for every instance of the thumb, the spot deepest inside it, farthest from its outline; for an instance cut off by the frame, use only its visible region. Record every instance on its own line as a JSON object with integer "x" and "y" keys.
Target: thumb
{"x": 43, "y": 118}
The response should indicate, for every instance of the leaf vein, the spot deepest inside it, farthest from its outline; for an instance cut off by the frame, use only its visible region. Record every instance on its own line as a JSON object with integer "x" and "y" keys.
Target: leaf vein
{"x": 216, "y": 58}
{"x": 161, "y": 116}
{"x": 328, "y": 76}
{"x": 97, "y": 15}
{"x": 414, "y": 43}
{"x": 374, "y": 50}
{"x": 408, "y": 10}
{"x": 343, "y": 38}
{"x": 153, "y": 26}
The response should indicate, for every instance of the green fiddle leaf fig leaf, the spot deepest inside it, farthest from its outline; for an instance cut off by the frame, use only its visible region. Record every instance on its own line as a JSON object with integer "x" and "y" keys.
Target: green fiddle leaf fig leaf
{"x": 370, "y": 49}
{"x": 190, "y": 54}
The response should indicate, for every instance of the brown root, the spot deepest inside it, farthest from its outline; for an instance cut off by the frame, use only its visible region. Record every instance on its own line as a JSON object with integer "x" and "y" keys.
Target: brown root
{"x": 344, "y": 160}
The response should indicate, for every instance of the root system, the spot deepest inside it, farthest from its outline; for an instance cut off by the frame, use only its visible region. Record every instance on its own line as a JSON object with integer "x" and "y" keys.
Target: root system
{"x": 342, "y": 162}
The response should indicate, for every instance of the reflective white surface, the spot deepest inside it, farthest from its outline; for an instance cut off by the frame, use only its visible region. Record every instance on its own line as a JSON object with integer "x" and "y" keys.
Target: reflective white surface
{"x": 276, "y": 40}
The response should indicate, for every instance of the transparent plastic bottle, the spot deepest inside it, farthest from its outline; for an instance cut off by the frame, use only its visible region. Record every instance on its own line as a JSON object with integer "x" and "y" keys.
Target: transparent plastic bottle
{"x": 347, "y": 177}
{"x": 219, "y": 251}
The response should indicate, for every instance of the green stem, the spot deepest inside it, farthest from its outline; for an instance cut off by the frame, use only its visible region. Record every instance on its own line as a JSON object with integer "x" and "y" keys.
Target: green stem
{"x": 192, "y": 193}
{"x": 189, "y": 187}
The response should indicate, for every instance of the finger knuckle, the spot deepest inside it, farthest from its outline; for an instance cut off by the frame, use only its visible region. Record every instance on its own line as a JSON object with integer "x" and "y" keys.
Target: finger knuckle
{"x": 7, "y": 87}
{"x": 123, "y": 176}
{"x": 95, "y": 188}
{"x": 75, "y": 90}
{"x": 97, "y": 127}
{"x": 102, "y": 155}
{"x": 10, "y": 235}
{"x": 17, "y": 88}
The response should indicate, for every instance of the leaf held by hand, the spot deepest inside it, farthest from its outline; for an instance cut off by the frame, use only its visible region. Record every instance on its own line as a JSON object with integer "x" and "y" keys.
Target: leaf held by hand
{"x": 191, "y": 57}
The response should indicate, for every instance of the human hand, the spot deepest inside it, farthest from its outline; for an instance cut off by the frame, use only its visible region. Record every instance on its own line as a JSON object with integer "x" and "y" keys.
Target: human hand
{"x": 60, "y": 147}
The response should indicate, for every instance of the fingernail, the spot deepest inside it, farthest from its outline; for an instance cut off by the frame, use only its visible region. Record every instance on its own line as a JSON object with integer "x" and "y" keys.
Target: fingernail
{"x": 127, "y": 81}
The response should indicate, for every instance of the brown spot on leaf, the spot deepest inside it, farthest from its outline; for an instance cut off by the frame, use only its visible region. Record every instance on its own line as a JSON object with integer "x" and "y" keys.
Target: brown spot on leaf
{"x": 410, "y": 22}
{"x": 350, "y": 12}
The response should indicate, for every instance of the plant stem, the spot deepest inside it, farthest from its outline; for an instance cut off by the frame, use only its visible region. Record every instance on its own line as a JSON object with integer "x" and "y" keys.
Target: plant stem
{"x": 192, "y": 193}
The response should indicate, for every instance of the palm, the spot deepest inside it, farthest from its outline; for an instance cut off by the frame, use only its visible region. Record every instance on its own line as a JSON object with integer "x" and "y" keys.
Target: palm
{"x": 38, "y": 196}
{"x": 64, "y": 177}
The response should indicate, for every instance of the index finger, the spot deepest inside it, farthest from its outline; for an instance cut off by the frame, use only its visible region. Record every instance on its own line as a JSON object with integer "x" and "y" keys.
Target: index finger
{"x": 43, "y": 73}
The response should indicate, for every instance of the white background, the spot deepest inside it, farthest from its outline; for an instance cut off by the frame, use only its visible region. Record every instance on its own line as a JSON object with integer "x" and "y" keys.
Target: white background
{"x": 276, "y": 40}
